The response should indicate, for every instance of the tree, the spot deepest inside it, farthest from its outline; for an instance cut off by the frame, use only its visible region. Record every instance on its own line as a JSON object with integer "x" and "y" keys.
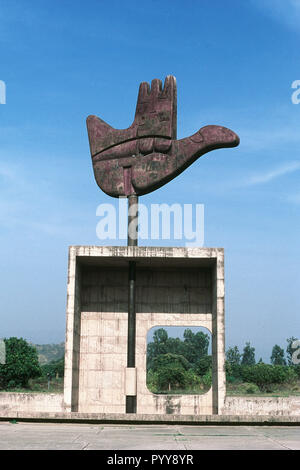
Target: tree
{"x": 248, "y": 357}
{"x": 21, "y": 363}
{"x": 169, "y": 359}
{"x": 233, "y": 364}
{"x": 175, "y": 346}
{"x": 158, "y": 346}
{"x": 277, "y": 357}
{"x": 54, "y": 368}
{"x": 171, "y": 377}
{"x": 171, "y": 371}
{"x": 233, "y": 356}
{"x": 172, "y": 362}
{"x": 203, "y": 365}
{"x": 263, "y": 375}
{"x": 195, "y": 345}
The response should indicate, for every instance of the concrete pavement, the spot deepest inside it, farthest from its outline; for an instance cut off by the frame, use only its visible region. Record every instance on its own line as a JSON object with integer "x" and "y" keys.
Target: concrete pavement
{"x": 70, "y": 436}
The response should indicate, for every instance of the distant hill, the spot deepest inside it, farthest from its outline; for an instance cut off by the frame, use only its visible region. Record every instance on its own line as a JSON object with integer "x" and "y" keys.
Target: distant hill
{"x": 50, "y": 352}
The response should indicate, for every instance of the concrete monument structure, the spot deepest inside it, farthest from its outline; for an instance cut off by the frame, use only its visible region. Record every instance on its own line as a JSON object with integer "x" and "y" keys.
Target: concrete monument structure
{"x": 174, "y": 287}
{"x": 116, "y": 294}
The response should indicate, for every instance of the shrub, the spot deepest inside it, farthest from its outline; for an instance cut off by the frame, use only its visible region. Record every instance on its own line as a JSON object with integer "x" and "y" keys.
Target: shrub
{"x": 265, "y": 374}
{"x": 21, "y": 363}
{"x": 248, "y": 388}
{"x": 203, "y": 365}
{"x": 297, "y": 370}
{"x": 206, "y": 379}
{"x": 54, "y": 368}
{"x": 192, "y": 379}
{"x": 171, "y": 377}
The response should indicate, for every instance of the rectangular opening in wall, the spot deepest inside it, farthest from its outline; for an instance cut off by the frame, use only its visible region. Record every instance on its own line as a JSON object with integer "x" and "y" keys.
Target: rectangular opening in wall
{"x": 179, "y": 360}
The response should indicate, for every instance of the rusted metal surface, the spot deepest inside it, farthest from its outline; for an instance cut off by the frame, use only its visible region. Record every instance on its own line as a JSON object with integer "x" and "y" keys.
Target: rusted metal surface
{"x": 147, "y": 155}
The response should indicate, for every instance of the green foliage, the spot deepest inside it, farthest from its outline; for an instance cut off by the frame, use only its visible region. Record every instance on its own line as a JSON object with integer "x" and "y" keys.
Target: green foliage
{"x": 195, "y": 345}
{"x": 206, "y": 379}
{"x": 233, "y": 372}
{"x": 248, "y": 357}
{"x": 175, "y": 364}
{"x": 171, "y": 371}
{"x": 248, "y": 388}
{"x": 297, "y": 370}
{"x": 193, "y": 380}
{"x": 175, "y": 346}
{"x": 176, "y": 379}
{"x": 171, "y": 377}
{"x": 233, "y": 356}
{"x": 152, "y": 381}
{"x": 157, "y": 347}
{"x": 170, "y": 360}
{"x": 54, "y": 368}
{"x": 263, "y": 375}
{"x": 21, "y": 364}
{"x": 277, "y": 357}
{"x": 185, "y": 364}
{"x": 203, "y": 365}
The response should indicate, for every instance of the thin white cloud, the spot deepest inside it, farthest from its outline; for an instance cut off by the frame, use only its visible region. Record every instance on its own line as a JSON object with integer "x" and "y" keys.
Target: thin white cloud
{"x": 275, "y": 173}
{"x": 286, "y": 12}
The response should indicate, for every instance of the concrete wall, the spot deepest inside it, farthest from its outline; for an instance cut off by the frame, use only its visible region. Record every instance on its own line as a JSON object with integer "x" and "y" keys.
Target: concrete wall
{"x": 174, "y": 287}
{"x": 103, "y": 360}
{"x": 31, "y": 402}
{"x": 275, "y": 406}
{"x": 13, "y": 403}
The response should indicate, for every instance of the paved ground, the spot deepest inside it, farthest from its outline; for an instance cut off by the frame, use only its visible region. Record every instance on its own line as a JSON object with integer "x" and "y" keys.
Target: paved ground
{"x": 150, "y": 437}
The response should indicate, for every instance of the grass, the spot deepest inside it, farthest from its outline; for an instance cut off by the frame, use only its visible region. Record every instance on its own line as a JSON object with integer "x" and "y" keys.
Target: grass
{"x": 40, "y": 385}
{"x": 272, "y": 390}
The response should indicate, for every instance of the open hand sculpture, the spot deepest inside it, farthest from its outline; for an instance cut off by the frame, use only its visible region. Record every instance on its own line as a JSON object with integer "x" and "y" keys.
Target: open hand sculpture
{"x": 147, "y": 155}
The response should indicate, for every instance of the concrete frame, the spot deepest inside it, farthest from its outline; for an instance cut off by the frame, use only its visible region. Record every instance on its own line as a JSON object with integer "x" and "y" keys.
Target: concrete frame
{"x": 96, "y": 377}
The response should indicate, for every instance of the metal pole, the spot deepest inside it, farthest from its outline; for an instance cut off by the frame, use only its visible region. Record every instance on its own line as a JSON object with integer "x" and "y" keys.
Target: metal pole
{"x": 133, "y": 202}
{"x": 132, "y": 241}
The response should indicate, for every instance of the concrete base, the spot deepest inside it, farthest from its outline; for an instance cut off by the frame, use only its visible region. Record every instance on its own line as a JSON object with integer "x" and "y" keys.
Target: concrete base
{"x": 174, "y": 287}
{"x": 43, "y": 404}
{"x": 151, "y": 419}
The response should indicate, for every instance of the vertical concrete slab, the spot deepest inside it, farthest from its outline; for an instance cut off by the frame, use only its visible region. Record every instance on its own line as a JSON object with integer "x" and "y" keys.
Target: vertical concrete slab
{"x": 72, "y": 343}
{"x": 218, "y": 335}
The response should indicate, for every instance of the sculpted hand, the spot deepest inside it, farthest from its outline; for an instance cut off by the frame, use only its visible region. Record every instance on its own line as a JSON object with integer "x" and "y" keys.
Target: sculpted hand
{"x": 147, "y": 155}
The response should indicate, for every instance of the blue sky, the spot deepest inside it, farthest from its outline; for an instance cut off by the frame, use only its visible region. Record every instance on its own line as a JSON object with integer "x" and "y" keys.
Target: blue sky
{"x": 235, "y": 62}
